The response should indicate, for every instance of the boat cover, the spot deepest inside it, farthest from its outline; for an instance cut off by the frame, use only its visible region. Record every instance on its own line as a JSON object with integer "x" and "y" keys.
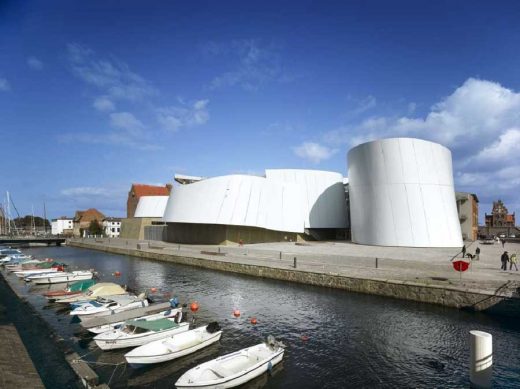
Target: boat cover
{"x": 153, "y": 325}
{"x": 81, "y": 285}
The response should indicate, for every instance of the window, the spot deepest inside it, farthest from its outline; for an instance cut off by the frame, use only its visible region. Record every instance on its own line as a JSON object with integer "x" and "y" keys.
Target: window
{"x": 113, "y": 230}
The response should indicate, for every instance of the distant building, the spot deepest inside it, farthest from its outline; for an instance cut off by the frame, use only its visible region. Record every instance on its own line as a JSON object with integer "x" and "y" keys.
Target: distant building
{"x": 112, "y": 227}
{"x": 139, "y": 190}
{"x": 82, "y": 220}
{"x": 499, "y": 216}
{"x": 62, "y": 226}
{"x": 148, "y": 213}
{"x": 467, "y": 208}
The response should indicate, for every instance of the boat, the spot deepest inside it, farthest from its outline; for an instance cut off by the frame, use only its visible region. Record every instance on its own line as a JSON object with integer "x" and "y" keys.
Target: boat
{"x": 27, "y": 273}
{"x": 74, "y": 289}
{"x": 174, "y": 346}
{"x": 138, "y": 332}
{"x": 99, "y": 290}
{"x": 6, "y": 253}
{"x": 112, "y": 326}
{"x": 234, "y": 369}
{"x": 103, "y": 306}
{"x": 15, "y": 258}
{"x": 60, "y": 277}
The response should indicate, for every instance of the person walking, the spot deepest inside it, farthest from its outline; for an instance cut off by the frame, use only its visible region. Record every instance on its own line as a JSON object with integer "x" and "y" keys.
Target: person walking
{"x": 504, "y": 258}
{"x": 512, "y": 261}
{"x": 463, "y": 251}
{"x": 503, "y": 242}
{"x": 477, "y": 254}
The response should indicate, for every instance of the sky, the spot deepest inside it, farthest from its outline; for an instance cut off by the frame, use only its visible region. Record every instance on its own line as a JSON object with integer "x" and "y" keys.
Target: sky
{"x": 97, "y": 95}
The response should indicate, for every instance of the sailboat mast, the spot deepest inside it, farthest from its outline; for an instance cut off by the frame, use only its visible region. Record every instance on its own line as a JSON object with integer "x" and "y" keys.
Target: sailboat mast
{"x": 44, "y": 219}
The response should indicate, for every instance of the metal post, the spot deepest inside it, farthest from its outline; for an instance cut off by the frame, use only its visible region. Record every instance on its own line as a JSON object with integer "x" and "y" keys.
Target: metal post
{"x": 376, "y": 262}
{"x": 280, "y": 255}
{"x": 481, "y": 359}
{"x": 219, "y": 250}
{"x": 294, "y": 262}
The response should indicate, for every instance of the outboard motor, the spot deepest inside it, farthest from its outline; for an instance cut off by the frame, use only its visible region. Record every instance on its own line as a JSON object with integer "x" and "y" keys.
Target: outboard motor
{"x": 213, "y": 327}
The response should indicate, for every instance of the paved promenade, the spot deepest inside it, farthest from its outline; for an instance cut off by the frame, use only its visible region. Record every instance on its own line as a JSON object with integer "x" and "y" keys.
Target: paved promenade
{"x": 17, "y": 369}
{"x": 432, "y": 266}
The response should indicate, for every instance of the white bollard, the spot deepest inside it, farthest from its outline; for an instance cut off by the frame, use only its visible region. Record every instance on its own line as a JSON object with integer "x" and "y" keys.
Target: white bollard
{"x": 481, "y": 359}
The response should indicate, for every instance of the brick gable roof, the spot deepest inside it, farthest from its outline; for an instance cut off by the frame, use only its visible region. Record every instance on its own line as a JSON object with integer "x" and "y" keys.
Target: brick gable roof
{"x": 140, "y": 190}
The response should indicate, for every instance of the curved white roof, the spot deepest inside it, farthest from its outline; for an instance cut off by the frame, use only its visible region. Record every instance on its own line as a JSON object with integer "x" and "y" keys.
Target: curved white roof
{"x": 151, "y": 206}
{"x": 284, "y": 200}
{"x": 401, "y": 194}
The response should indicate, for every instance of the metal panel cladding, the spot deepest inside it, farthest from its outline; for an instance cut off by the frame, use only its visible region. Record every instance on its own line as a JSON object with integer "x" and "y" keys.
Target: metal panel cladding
{"x": 151, "y": 206}
{"x": 323, "y": 202}
{"x": 238, "y": 200}
{"x": 401, "y": 194}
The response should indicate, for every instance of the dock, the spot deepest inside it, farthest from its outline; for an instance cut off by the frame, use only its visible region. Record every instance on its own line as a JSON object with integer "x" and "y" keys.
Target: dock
{"x": 17, "y": 368}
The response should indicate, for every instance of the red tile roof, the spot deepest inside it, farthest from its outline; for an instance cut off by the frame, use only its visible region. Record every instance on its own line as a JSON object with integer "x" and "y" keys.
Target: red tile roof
{"x": 150, "y": 190}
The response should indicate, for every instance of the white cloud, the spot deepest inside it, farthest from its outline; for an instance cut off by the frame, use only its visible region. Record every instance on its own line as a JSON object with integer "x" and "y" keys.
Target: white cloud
{"x": 173, "y": 118}
{"x": 85, "y": 191}
{"x": 251, "y": 64}
{"x": 112, "y": 76}
{"x": 104, "y": 104}
{"x": 479, "y": 122}
{"x": 313, "y": 152}
{"x": 34, "y": 63}
{"x": 128, "y": 122}
{"x": 4, "y": 85}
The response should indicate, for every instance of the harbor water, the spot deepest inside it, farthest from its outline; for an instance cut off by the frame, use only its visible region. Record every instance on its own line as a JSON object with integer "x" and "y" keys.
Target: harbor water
{"x": 335, "y": 339}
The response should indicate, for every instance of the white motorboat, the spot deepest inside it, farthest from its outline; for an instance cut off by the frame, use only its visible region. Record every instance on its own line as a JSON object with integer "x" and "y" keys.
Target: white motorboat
{"x": 15, "y": 258}
{"x": 233, "y": 369}
{"x": 99, "y": 290}
{"x": 103, "y": 306}
{"x": 174, "y": 346}
{"x": 27, "y": 273}
{"x": 60, "y": 277}
{"x": 5, "y": 254}
{"x": 138, "y": 332}
{"x": 113, "y": 326}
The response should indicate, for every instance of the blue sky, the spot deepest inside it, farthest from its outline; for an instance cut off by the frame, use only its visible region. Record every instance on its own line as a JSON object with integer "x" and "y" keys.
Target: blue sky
{"x": 96, "y": 95}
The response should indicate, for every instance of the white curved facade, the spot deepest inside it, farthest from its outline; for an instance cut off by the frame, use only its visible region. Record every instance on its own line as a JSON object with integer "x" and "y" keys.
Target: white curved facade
{"x": 151, "y": 206}
{"x": 402, "y": 194}
{"x": 322, "y": 195}
{"x": 284, "y": 200}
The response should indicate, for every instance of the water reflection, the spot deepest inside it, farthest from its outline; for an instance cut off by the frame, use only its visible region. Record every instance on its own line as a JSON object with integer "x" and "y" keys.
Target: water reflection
{"x": 349, "y": 340}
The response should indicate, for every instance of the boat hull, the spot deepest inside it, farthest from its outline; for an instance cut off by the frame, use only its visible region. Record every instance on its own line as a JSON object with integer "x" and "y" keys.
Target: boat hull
{"x": 232, "y": 380}
{"x": 60, "y": 279}
{"x": 105, "y": 343}
{"x": 136, "y": 360}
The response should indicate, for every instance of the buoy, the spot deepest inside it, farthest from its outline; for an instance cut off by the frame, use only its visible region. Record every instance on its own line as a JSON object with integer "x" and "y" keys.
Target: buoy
{"x": 305, "y": 338}
{"x": 194, "y": 306}
{"x": 117, "y": 273}
{"x": 153, "y": 290}
{"x": 236, "y": 313}
{"x": 253, "y": 320}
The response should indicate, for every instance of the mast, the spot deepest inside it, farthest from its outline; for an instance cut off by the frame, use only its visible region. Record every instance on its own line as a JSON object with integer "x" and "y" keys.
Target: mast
{"x": 33, "y": 225}
{"x": 44, "y": 219}
{"x": 8, "y": 214}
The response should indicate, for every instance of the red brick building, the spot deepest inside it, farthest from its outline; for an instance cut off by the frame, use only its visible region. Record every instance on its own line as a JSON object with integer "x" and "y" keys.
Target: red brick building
{"x": 500, "y": 217}
{"x": 139, "y": 190}
{"x": 82, "y": 220}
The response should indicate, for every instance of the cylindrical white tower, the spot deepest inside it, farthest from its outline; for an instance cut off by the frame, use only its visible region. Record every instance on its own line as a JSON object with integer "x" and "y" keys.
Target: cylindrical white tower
{"x": 401, "y": 194}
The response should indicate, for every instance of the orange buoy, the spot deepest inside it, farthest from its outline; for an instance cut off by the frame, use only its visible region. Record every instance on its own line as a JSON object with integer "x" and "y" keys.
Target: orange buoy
{"x": 253, "y": 320}
{"x": 153, "y": 290}
{"x": 236, "y": 313}
{"x": 117, "y": 273}
{"x": 194, "y": 306}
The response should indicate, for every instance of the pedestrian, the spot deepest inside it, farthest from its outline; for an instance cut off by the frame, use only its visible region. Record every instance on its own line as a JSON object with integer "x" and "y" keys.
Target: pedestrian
{"x": 504, "y": 258}
{"x": 463, "y": 251}
{"x": 512, "y": 261}
{"x": 503, "y": 242}
{"x": 477, "y": 254}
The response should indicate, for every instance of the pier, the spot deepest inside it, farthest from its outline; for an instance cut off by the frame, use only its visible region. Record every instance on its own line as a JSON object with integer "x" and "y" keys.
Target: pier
{"x": 27, "y": 240}
{"x": 416, "y": 274}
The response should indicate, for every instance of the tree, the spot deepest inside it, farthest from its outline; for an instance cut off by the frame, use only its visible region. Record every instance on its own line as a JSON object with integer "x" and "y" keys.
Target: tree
{"x": 95, "y": 228}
